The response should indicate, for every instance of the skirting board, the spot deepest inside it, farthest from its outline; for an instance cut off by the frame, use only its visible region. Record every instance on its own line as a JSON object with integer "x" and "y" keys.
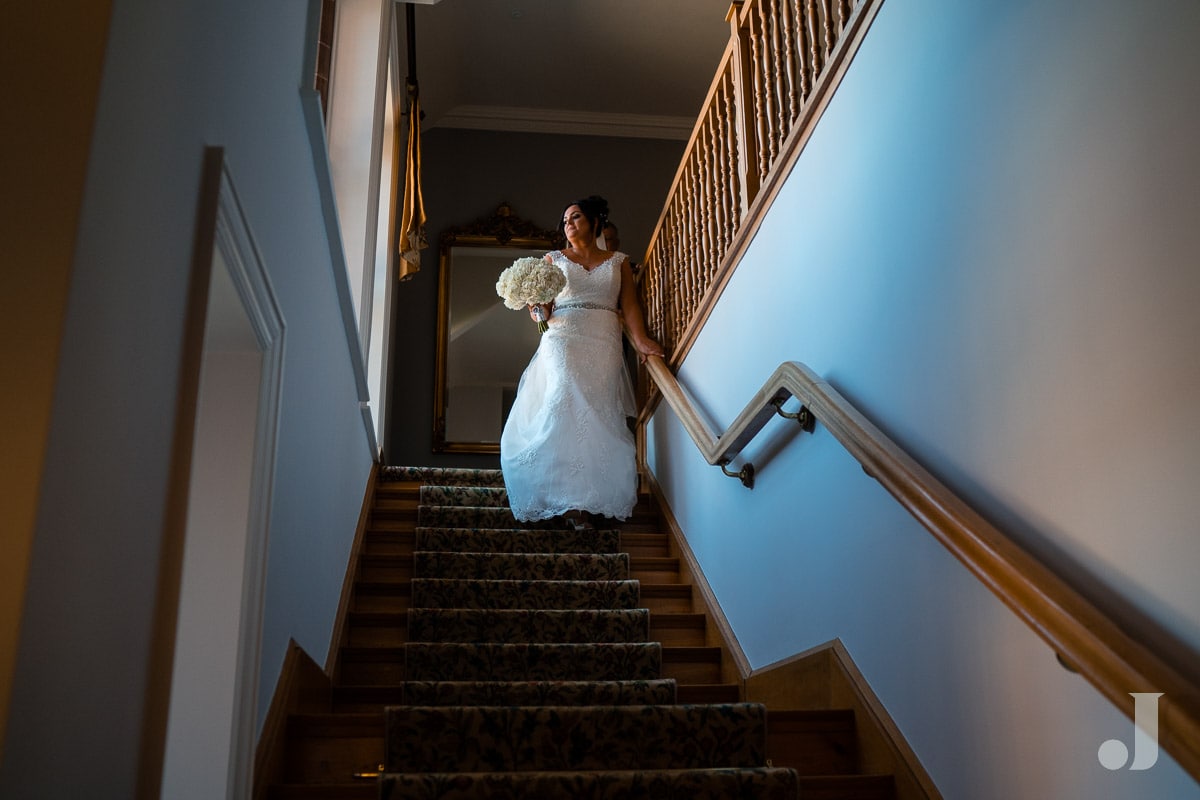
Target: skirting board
{"x": 302, "y": 687}
{"x": 825, "y": 677}
{"x": 336, "y": 640}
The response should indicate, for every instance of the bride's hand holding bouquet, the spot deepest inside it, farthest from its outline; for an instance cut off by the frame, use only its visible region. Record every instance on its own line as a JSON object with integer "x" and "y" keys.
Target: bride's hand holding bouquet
{"x": 534, "y": 283}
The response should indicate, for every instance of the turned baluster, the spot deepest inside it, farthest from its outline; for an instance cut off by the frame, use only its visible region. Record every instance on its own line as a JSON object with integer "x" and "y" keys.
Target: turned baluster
{"x": 827, "y": 14}
{"x": 740, "y": 75}
{"x": 759, "y": 105}
{"x": 712, "y": 176}
{"x": 733, "y": 175}
{"x": 702, "y": 208}
{"x": 693, "y": 222}
{"x": 658, "y": 288}
{"x": 695, "y": 234}
{"x": 725, "y": 178}
{"x": 788, "y": 52}
{"x": 802, "y": 50}
{"x": 647, "y": 290}
{"x": 764, "y": 67}
{"x": 779, "y": 78}
{"x": 673, "y": 288}
{"x": 814, "y": 44}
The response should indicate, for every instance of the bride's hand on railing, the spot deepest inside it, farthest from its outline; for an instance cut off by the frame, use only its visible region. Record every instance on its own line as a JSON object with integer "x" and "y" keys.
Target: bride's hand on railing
{"x": 647, "y": 347}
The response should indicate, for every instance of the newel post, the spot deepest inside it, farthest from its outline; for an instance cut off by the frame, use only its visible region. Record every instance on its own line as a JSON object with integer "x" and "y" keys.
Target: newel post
{"x": 743, "y": 94}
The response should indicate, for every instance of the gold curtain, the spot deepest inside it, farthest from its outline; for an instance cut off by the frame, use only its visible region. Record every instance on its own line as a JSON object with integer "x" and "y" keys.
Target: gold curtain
{"x": 412, "y": 214}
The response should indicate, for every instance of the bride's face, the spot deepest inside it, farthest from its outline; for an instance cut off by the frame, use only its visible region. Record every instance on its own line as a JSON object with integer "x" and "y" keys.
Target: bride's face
{"x": 575, "y": 223}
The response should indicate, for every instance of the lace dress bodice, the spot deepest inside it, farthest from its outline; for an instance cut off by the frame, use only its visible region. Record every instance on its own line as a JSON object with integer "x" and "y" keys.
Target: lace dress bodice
{"x": 598, "y": 287}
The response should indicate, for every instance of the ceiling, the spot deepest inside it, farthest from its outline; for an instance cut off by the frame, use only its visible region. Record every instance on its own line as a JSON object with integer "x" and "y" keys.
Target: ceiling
{"x": 618, "y": 67}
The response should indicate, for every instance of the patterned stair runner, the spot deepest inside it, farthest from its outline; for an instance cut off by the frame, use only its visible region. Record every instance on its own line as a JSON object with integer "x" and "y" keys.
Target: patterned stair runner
{"x": 511, "y": 626}
{"x": 539, "y": 693}
{"x": 529, "y": 671}
{"x": 488, "y": 661}
{"x": 474, "y": 540}
{"x": 516, "y": 594}
{"x": 699, "y": 784}
{"x": 522, "y": 566}
{"x": 509, "y": 739}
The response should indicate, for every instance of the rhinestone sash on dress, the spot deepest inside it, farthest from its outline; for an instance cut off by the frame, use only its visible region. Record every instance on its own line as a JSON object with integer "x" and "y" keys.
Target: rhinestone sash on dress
{"x": 583, "y": 304}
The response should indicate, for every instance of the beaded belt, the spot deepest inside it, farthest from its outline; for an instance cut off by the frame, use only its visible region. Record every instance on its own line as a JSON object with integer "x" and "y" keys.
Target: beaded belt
{"x": 582, "y": 304}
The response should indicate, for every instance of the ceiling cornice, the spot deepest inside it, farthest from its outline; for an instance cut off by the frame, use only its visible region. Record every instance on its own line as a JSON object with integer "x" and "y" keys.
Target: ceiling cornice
{"x": 561, "y": 121}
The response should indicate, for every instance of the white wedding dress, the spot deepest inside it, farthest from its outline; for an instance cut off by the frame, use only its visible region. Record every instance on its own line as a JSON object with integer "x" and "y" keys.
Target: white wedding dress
{"x": 566, "y": 444}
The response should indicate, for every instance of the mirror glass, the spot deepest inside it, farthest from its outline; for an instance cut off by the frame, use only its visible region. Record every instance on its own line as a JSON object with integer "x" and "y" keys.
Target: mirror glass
{"x": 483, "y": 346}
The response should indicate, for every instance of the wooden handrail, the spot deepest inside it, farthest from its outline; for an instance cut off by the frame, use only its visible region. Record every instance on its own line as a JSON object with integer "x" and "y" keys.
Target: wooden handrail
{"x": 1114, "y": 660}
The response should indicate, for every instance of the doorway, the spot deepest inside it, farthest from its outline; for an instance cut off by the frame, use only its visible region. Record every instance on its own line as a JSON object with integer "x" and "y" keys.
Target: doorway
{"x": 211, "y": 724}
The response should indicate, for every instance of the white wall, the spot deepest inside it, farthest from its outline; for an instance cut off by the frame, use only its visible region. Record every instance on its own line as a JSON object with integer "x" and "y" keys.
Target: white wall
{"x": 990, "y": 246}
{"x": 177, "y": 77}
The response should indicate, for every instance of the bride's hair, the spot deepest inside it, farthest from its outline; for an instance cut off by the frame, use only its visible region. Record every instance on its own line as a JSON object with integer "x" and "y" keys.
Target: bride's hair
{"x": 595, "y": 208}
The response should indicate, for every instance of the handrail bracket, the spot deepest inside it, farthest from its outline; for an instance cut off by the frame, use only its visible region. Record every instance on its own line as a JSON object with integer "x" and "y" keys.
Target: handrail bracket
{"x": 803, "y": 415}
{"x": 745, "y": 474}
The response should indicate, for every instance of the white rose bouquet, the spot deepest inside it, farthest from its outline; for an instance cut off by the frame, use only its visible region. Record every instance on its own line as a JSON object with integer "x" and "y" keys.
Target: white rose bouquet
{"x": 530, "y": 282}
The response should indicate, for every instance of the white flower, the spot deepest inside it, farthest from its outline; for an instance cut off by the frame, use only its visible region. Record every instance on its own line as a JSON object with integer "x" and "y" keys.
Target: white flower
{"x": 530, "y": 281}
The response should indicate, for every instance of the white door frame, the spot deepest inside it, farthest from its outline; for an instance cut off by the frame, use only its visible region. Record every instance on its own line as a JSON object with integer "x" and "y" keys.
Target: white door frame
{"x": 217, "y": 653}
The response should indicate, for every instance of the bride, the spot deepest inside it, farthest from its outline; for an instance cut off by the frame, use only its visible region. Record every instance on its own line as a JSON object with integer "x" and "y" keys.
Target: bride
{"x": 566, "y": 447}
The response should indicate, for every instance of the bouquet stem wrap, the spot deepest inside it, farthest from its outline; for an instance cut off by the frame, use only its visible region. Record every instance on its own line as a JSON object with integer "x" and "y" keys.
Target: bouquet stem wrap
{"x": 543, "y": 326}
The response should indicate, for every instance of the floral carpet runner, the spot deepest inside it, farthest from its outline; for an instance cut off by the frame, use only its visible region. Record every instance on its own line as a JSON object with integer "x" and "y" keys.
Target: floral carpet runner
{"x": 529, "y": 674}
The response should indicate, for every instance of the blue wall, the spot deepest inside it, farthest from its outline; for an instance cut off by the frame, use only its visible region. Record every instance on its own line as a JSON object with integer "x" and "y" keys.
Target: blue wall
{"x": 989, "y": 245}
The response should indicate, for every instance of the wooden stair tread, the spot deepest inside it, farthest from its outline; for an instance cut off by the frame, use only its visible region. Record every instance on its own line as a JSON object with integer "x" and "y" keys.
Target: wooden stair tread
{"x": 681, "y": 619}
{"x": 666, "y": 590}
{"x": 710, "y": 654}
{"x": 383, "y": 587}
{"x": 656, "y": 563}
{"x": 783, "y": 720}
{"x": 336, "y": 724}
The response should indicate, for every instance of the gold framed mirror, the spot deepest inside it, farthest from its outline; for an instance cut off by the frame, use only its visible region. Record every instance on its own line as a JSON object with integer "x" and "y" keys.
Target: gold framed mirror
{"x": 482, "y": 346}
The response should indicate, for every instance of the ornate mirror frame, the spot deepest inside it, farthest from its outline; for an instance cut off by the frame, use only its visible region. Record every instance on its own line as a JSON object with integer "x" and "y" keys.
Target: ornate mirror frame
{"x": 472, "y": 317}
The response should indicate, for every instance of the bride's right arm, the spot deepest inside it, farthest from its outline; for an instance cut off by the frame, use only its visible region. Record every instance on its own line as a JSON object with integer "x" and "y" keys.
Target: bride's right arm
{"x": 631, "y": 312}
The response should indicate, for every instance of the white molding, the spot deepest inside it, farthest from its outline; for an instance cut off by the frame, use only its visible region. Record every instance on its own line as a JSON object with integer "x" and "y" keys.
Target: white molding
{"x": 560, "y": 121}
{"x": 244, "y": 263}
{"x": 369, "y": 424}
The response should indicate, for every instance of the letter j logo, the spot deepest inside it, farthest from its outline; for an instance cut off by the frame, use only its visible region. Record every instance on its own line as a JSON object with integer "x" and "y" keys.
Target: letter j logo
{"x": 1114, "y": 754}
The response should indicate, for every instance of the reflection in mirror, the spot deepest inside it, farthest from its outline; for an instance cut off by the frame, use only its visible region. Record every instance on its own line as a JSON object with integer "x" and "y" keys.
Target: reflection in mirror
{"x": 483, "y": 347}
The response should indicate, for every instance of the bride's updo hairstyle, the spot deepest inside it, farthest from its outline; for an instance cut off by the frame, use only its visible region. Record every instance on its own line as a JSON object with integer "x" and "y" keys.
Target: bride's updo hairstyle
{"x": 595, "y": 208}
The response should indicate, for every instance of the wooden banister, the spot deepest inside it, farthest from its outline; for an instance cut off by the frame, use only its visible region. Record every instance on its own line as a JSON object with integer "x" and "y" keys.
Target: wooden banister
{"x": 781, "y": 66}
{"x": 1115, "y": 661}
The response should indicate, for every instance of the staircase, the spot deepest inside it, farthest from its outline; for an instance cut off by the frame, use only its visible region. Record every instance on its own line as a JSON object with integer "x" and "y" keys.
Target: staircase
{"x": 484, "y": 658}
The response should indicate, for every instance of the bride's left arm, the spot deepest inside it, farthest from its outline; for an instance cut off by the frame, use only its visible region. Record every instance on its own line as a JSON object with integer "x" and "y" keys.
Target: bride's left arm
{"x": 635, "y": 321}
